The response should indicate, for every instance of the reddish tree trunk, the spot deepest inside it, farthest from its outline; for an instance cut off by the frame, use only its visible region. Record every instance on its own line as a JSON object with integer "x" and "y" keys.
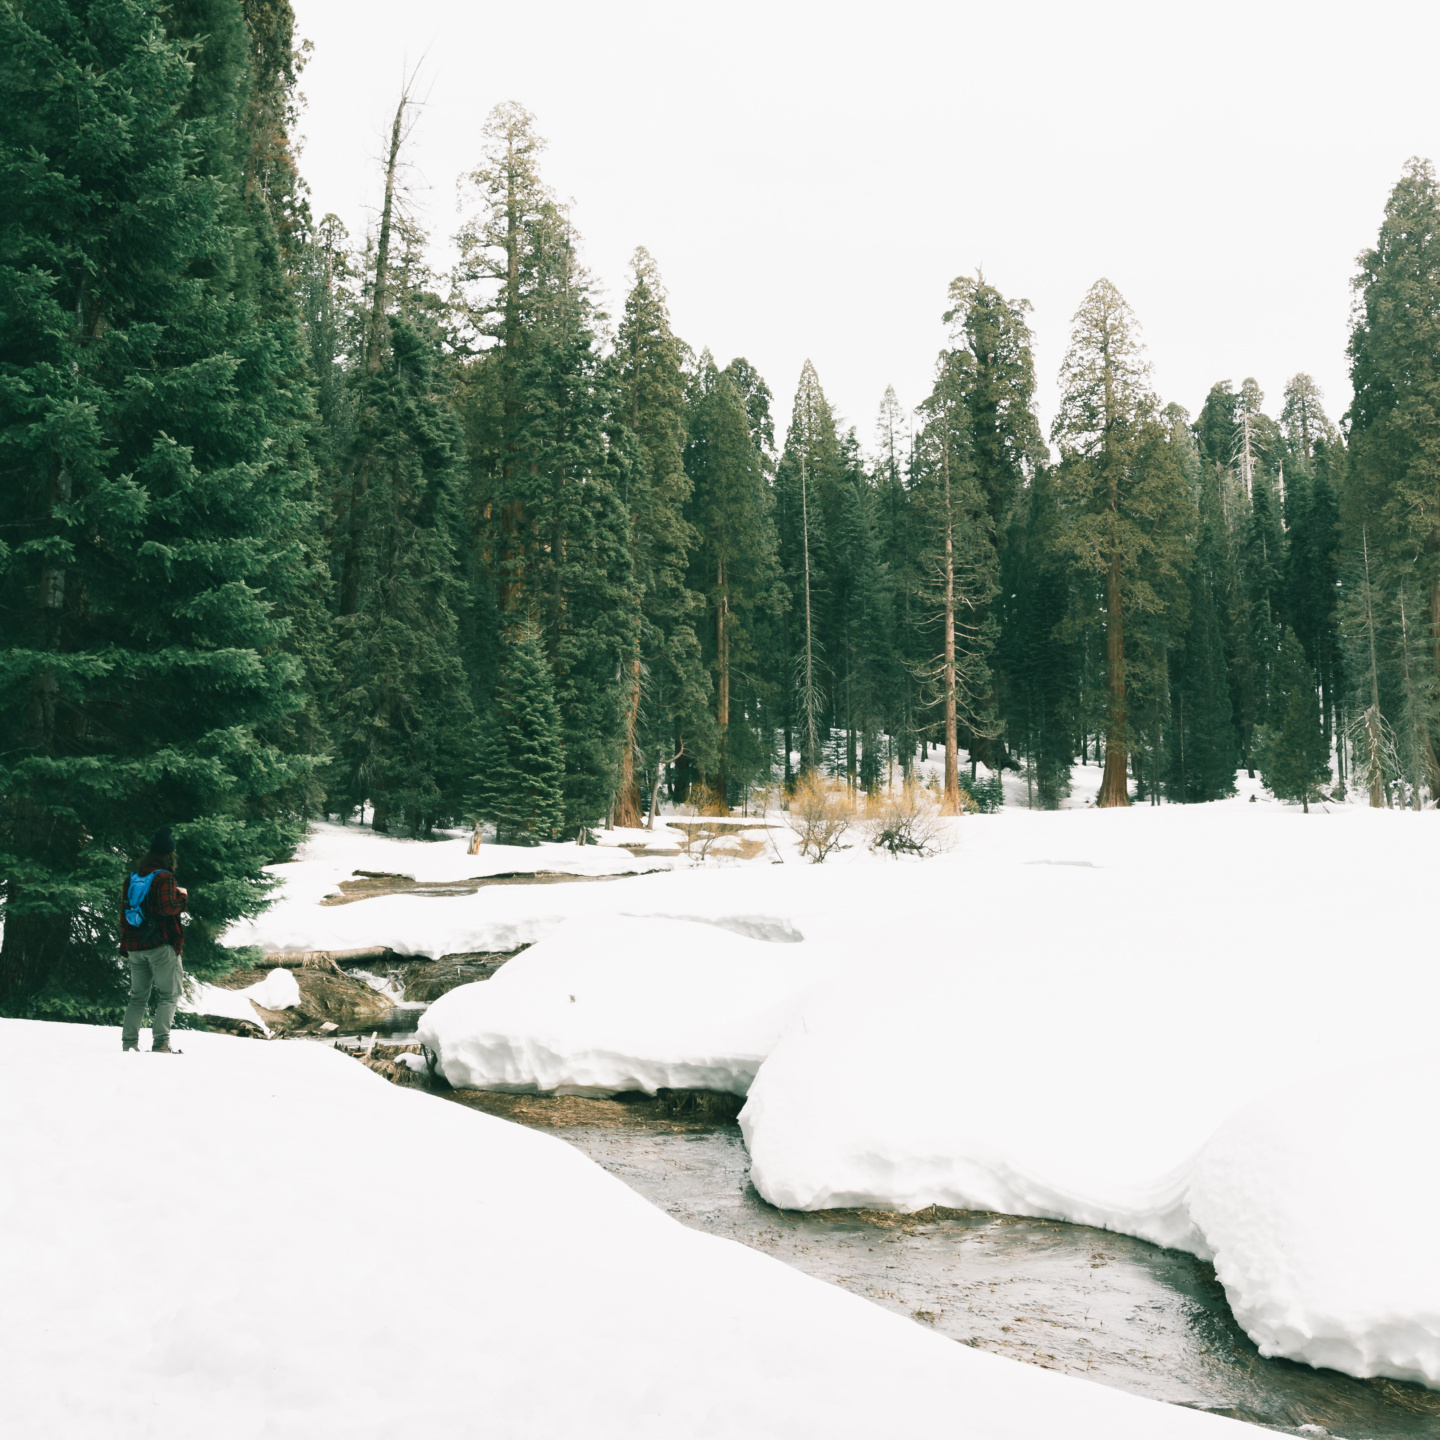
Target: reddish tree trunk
{"x": 1114, "y": 787}
{"x": 627, "y": 797}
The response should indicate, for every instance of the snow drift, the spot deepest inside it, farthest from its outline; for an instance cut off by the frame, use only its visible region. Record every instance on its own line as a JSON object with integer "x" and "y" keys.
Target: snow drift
{"x": 182, "y": 1254}
{"x": 624, "y": 1004}
{"x": 1183, "y": 1031}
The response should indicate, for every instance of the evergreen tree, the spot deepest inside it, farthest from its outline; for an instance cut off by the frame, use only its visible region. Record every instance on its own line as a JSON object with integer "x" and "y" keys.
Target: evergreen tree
{"x": 807, "y": 489}
{"x": 1313, "y": 455}
{"x": 1395, "y": 424}
{"x": 519, "y": 787}
{"x": 898, "y": 552}
{"x": 155, "y": 510}
{"x": 1202, "y": 745}
{"x": 1042, "y": 691}
{"x": 862, "y": 620}
{"x": 551, "y": 533}
{"x": 1005, "y": 439}
{"x": 405, "y": 725}
{"x": 667, "y": 689}
{"x": 1368, "y": 644}
{"x": 1294, "y": 759}
{"x": 957, "y": 563}
{"x": 1124, "y": 497}
{"x": 733, "y": 566}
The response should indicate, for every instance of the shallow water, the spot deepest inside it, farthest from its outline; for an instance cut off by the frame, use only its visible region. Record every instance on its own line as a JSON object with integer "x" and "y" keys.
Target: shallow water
{"x": 1087, "y": 1302}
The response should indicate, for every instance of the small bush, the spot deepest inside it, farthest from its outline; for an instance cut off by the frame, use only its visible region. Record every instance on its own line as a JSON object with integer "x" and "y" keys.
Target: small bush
{"x": 906, "y": 821}
{"x": 705, "y": 799}
{"x": 820, "y": 813}
{"x": 984, "y": 797}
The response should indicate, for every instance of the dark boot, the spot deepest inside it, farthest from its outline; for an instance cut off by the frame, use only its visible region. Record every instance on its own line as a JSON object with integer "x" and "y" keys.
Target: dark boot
{"x": 164, "y": 1050}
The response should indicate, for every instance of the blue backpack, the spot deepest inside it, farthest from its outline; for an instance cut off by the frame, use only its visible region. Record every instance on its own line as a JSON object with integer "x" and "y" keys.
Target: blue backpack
{"x": 137, "y": 891}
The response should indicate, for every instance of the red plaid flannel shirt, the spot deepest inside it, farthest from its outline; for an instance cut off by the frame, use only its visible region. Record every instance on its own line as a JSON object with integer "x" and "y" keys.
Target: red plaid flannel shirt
{"x": 165, "y": 904}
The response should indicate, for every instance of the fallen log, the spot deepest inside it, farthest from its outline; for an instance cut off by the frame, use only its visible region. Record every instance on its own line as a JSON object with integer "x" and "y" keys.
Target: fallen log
{"x": 325, "y": 959}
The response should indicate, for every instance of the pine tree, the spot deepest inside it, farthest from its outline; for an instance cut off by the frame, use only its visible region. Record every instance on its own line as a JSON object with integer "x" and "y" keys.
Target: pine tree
{"x": 1313, "y": 454}
{"x": 1124, "y": 496}
{"x": 894, "y": 443}
{"x": 957, "y": 564}
{"x": 405, "y": 725}
{"x": 807, "y": 489}
{"x": 862, "y": 617}
{"x": 1369, "y": 644}
{"x": 156, "y": 504}
{"x": 1042, "y": 713}
{"x": 1202, "y": 744}
{"x": 1005, "y": 440}
{"x": 551, "y": 533}
{"x": 1395, "y": 420}
{"x": 1294, "y": 759}
{"x": 733, "y": 566}
{"x": 666, "y": 687}
{"x": 519, "y": 787}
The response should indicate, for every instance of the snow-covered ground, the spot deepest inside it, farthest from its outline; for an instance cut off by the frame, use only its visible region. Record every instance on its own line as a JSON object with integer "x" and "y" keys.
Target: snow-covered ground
{"x": 412, "y": 924}
{"x": 1209, "y": 1026}
{"x": 186, "y": 1245}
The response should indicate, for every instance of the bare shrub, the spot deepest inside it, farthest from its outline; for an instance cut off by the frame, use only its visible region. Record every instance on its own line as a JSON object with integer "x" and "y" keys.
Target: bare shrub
{"x": 820, "y": 813}
{"x": 906, "y": 821}
{"x": 704, "y": 799}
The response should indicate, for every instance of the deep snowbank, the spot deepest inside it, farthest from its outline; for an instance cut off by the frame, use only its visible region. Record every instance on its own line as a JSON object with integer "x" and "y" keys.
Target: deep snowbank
{"x": 183, "y": 1254}
{"x": 1070, "y": 1035}
{"x": 1316, "y": 1202}
{"x": 624, "y": 1004}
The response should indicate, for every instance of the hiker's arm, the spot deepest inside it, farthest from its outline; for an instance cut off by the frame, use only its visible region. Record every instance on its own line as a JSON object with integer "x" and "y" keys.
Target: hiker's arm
{"x": 167, "y": 898}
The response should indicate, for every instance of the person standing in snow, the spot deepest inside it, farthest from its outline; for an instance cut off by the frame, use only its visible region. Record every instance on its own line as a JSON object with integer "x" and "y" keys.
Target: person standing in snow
{"x": 152, "y": 938}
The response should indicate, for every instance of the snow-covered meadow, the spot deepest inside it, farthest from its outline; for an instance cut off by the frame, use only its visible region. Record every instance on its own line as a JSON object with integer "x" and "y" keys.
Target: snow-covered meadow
{"x": 1212, "y": 1027}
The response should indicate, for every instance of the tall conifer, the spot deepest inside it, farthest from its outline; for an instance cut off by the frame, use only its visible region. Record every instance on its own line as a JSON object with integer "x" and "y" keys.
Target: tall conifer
{"x": 734, "y": 565}
{"x": 519, "y": 783}
{"x": 1294, "y": 759}
{"x": 957, "y": 564}
{"x": 155, "y": 503}
{"x": 1395, "y": 422}
{"x": 665, "y": 685}
{"x": 551, "y": 533}
{"x": 1123, "y": 494}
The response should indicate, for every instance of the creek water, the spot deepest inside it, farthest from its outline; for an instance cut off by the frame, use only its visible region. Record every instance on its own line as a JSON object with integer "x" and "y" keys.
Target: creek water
{"x": 1087, "y": 1302}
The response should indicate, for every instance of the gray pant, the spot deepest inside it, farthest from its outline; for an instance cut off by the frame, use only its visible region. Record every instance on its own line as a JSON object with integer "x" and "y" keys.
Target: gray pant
{"x": 159, "y": 969}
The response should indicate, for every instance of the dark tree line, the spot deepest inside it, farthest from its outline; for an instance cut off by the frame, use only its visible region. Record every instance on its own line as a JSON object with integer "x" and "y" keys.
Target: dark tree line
{"x": 291, "y": 525}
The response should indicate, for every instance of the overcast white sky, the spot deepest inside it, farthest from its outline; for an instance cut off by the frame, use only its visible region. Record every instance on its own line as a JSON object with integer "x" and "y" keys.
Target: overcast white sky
{"x": 811, "y": 176}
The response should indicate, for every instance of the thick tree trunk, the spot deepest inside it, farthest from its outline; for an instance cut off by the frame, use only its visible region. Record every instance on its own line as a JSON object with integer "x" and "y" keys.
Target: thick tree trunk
{"x": 1114, "y": 787}
{"x": 627, "y": 797}
{"x": 951, "y": 803}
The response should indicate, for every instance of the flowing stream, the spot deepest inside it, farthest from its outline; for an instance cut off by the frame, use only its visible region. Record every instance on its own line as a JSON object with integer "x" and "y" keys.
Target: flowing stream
{"x": 1087, "y": 1302}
